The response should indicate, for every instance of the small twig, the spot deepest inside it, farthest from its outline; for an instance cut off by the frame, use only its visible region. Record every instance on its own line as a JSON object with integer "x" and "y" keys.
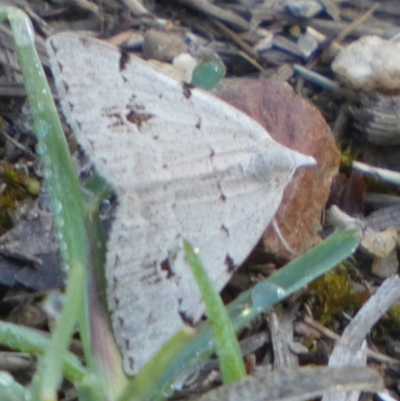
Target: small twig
{"x": 136, "y": 7}
{"x": 251, "y": 60}
{"x": 351, "y": 349}
{"x": 331, "y": 8}
{"x": 46, "y": 29}
{"x": 378, "y": 200}
{"x": 15, "y": 361}
{"x": 377, "y": 356}
{"x": 356, "y": 23}
{"x": 232, "y": 35}
{"x": 281, "y": 338}
{"x": 18, "y": 145}
{"x": 13, "y": 90}
{"x": 324, "y": 82}
{"x": 332, "y": 28}
{"x": 380, "y": 173}
{"x": 281, "y": 237}
{"x": 227, "y": 16}
{"x": 88, "y": 6}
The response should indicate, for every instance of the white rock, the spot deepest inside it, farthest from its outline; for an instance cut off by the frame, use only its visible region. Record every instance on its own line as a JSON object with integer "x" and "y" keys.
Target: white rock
{"x": 370, "y": 63}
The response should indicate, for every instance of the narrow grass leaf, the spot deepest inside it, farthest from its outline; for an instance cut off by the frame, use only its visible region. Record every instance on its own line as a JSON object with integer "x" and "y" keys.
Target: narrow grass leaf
{"x": 312, "y": 264}
{"x": 226, "y": 344}
{"x": 66, "y": 201}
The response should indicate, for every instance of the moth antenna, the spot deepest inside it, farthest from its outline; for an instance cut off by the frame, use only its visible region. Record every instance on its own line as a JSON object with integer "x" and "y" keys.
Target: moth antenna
{"x": 279, "y": 234}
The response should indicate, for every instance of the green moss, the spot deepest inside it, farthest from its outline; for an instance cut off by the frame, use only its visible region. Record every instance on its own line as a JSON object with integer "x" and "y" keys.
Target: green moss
{"x": 333, "y": 294}
{"x": 394, "y": 314}
{"x": 310, "y": 344}
{"x": 346, "y": 159}
{"x": 388, "y": 325}
{"x": 14, "y": 188}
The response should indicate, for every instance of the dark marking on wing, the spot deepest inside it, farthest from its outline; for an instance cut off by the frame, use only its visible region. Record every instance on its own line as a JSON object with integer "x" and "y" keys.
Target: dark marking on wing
{"x": 186, "y": 319}
{"x": 225, "y": 230}
{"x": 85, "y": 41}
{"x": 229, "y": 263}
{"x": 131, "y": 363}
{"x": 123, "y": 60}
{"x": 55, "y": 48}
{"x": 149, "y": 266}
{"x": 165, "y": 266}
{"x": 115, "y": 118}
{"x": 138, "y": 118}
{"x": 222, "y": 197}
{"x": 187, "y": 90}
{"x": 152, "y": 275}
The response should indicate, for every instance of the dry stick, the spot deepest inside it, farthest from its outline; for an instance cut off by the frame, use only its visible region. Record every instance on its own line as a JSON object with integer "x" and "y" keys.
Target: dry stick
{"x": 13, "y": 90}
{"x": 16, "y": 361}
{"x": 296, "y": 385}
{"x": 213, "y": 11}
{"x": 350, "y": 350}
{"x": 356, "y": 23}
{"x": 88, "y": 6}
{"x": 251, "y": 60}
{"x": 377, "y": 27}
{"x": 46, "y": 29}
{"x": 335, "y": 46}
{"x": 249, "y": 54}
{"x": 331, "y": 8}
{"x": 281, "y": 338}
{"x": 136, "y": 7}
{"x": 232, "y": 35}
{"x": 18, "y": 145}
{"x": 377, "y": 356}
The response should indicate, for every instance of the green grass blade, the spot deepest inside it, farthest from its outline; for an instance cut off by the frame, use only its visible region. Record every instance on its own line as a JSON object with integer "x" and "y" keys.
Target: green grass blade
{"x": 10, "y": 390}
{"x": 58, "y": 170}
{"x": 226, "y": 344}
{"x": 301, "y": 271}
{"x": 49, "y": 370}
{"x": 66, "y": 199}
{"x": 89, "y": 389}
{"x": 106, "y": 362}
{"x": 25, "y": 339}
{"x": 98, "y": 188}
{"x": 305, "y": 268}
{"x": 77, "y": 223}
